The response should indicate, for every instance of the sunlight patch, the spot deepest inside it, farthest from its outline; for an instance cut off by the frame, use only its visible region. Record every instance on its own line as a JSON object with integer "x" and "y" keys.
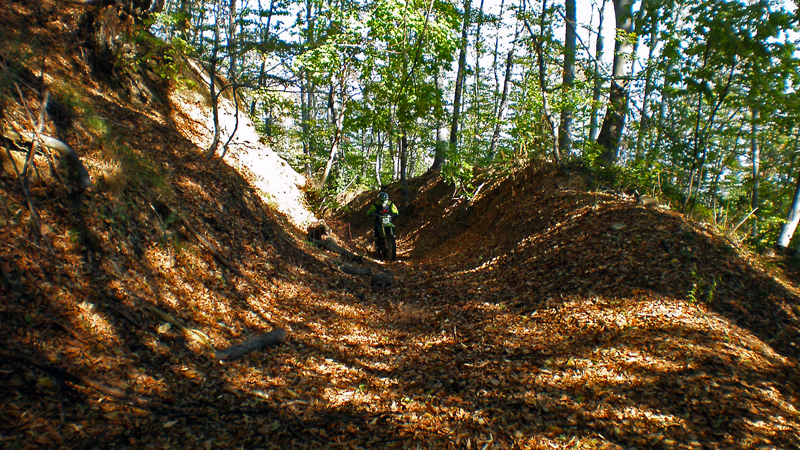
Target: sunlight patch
{"x": 96, "y": 323}
{"x": 159, "y": 258}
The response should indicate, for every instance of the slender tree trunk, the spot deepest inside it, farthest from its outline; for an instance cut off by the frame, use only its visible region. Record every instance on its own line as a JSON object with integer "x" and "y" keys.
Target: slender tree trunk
{"x": 197, "y": 37}
{"x": 477, "y": 69}
{"x": 614, "y": 121}
{"x": 232, "y": 51}
{"x": 212, "y": 86}
{"x": 462, "y": 64}
{"x": 548, "y": 118}
{"x": 756, "y": 152}
{"x": 701, "y": 137}
{"x": 396, "y": 160}
{"x": 570, "y": 40}
{"x": 496, "y": 52}
{"x": 662, "y": 109}
{"x": 714, "y": 188}
{"x": 392, "y": 155}
{"x": 307, "y": 97}
{"x": 403, "y": 157}
{"x": 594, "y": 129}
{"x": 440, "y": 153}
{"x": 700, "y": 169}
{"x": 792, "y": 216}
{"x": 786, "y": 184}
{"x": 792, "y": 219}
{"x": 503, "y": 97}
{"x": 337, "y": 120}
{"x": 156, "y": 7}
{"x": 645, "y": 121}
{"x": 262, "y": 72}
{"x": 264, "y": 40}
{"x": 378, "y": 162}
{"x": 412, "y": 162}
{"x": 305, "y": 123}
{"x": 698, "y": 139}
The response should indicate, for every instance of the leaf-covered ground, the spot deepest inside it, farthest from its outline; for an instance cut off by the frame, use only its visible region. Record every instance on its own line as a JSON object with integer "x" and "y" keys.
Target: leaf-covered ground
{"x": 573, "y": 319}
{"x": 539, "y": 315}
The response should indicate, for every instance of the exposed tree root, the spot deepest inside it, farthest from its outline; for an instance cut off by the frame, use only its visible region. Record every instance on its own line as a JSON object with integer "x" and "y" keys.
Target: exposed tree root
{"x": 274, "y": 337}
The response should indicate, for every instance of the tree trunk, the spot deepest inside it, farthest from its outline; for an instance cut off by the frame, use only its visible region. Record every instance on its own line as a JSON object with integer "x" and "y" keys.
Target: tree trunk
{"x": 378, "y": 162}
{"x": 212, "y": 86}
{"x": 478, "y": 54}
{"x": 663, "y": 105}
{"x": 391, "y": 155}
{"x": 337, "y": 120}
{"x": 462, "y": 64}
{"x": 548, "y": 118}
{"x": 645, "y": 120}
{"x": 440, "y": 152}
{"x": 714, "y": 188}
{"x": 792, "y": 219}
{"x": 496, "y": 97}
{"x": 156, "y": 7}
{"x": 756, "y": 151}
{"x": 614, "y": 121}
{"x": 197, "y": 38}
{"x": 232, "y": 52}
{"x": 570, "y": 40}
{"x": 307, "y": 96}
{"x": 403, "y": 157}
{"x": 304, "y": 124}
{"x": 594, "y": 129}
{"x": 503, "y": 97}
{"x": 701, "y": 137}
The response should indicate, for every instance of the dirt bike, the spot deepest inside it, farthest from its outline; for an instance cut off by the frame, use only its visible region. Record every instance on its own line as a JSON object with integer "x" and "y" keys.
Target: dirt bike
{"x": 387, "y": 246}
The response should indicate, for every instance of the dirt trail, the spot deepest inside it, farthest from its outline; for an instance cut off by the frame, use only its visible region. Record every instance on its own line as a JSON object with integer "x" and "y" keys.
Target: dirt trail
{"x": 572, "y": 319}
{"x": 540, "y": 315}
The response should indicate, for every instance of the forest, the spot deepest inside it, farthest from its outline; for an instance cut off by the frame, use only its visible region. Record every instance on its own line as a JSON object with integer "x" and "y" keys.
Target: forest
{"x": 186, "y": 259}
{"x": 693, "y": 102}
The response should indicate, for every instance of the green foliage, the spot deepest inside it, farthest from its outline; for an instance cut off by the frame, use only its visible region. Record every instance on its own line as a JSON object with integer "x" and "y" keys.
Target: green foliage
{"x": 391, "y": 63}
{"x": 460, "y": 174}
{"x": 163, "y": 59}
{"x": 701, "y": 289}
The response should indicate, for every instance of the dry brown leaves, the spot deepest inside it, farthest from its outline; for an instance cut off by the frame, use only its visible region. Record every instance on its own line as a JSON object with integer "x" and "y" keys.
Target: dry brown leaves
{"x": 533, "y": 317}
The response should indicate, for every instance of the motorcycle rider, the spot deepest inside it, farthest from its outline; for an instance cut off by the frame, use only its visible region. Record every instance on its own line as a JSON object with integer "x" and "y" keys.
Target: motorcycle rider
{"x": 381, "y": 206}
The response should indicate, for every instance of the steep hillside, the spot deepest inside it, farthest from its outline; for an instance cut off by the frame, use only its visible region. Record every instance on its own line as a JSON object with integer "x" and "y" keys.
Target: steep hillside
{"x": 539, "y": 315}
{"x": 542, "y": 232}
{"x": 591, "y": 320}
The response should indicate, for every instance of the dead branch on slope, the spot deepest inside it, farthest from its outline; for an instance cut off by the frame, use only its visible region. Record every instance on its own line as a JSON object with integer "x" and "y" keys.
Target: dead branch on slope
{"x": 322, "y": 236}
{"x": 274, "y": 337}
{"x": 53, "y": 144}
{"x": 26, "y": 181}
{"x": 189, "y": 332}
{"x": 80, "y": 380}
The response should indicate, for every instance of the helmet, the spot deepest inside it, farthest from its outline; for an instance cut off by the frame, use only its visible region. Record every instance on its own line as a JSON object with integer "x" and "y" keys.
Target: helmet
{"x": 383, "y": 197}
